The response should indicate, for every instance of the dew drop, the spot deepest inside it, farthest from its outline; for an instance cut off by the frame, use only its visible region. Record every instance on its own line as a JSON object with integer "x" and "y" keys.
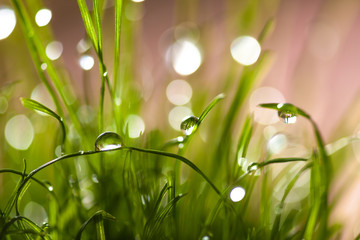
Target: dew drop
{"x": 94, "y": 178}
{"x": 253, "y": 167}
{"x": 189, "y": 125}
{"x": 287, "y": 112}
{"x": 108, "y": 141}
{"x": 48, "y": 185}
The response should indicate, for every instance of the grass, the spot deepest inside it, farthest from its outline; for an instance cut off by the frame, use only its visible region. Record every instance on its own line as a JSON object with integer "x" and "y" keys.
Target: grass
{"x": 160, "y": 185}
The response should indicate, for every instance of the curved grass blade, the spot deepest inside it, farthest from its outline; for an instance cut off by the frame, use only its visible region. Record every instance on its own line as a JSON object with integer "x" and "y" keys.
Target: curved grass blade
{"x": 210, "y": 106}
{"x": 33, "y": 44}
{"x": 323, "y": 168}
{"x": 41, "y": 183}
{"x": 34, "y": 229}
{"x": 255, "y": 166}
{"x": 34, "y": 105}
{"x": 98, "y": 218}
{"x": 82, "y": 153}
{"x": 39, "y": 57}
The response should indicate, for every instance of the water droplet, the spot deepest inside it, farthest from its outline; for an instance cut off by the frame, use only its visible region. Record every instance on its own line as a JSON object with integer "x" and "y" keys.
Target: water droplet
{"x": 94, "y": 178}
{"x": 45, "y": 225}
{"x": 48, "y": 185}
{"x": 189, "y": 125}
{"x": 105, "y": 74}
{"x": 253, "y": 167}
{"x": 205, "y": 238}
{"x": 81, "y": 152}
{"x": 108, "y": 141}
{"x": 287, "y": 112}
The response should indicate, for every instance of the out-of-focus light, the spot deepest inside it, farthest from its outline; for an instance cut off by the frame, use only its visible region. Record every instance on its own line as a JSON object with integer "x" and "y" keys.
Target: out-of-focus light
{"x": 137, "y": 1}
{"x": 133, "y": 12}
{"x": 179, "y": 92}
{"x": 83, "y": 45}
{"x": 134, "y": 125}
{"x": 269, "y": 131}
{"x": 177, "y": 115}
{"x": 237, "y": 194}
{"x": 265, "y": 95}
{"x": 277, "y": 143}
{"x": 43, "y": 66}
{"x": 185, "y": 57}
{"x": 8, "y": 22}
{"x": 19, "y": 132}
{"x": 86, "y": 62}
{"x": 36, "y": 213}
{"x": 245, "y": 50}
{"x": 41, "y": 95}
{"x": 54, "y": 50}
{"x": 85, "y": 114}
{"x": 43, "y": 17}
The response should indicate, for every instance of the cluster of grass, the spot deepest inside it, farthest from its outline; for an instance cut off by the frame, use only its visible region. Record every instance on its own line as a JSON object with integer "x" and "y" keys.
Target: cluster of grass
{"x": 156, "y": 188}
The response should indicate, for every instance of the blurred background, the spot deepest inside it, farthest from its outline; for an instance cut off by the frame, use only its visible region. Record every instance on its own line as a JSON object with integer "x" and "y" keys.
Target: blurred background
{"x": 179, "y": 54}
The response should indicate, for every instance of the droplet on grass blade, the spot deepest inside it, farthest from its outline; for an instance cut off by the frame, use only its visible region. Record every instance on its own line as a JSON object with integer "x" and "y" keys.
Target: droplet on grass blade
{"x": 287, "y": 113}
{"x": 48, "y": 185}
{"x": 108, "y": 141}
{"x": 189, "y": 125}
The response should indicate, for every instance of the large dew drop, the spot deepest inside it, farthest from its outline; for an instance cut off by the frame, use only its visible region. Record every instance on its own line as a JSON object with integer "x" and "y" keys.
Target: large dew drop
{"x": 189, "y": 125}
{"x": 287, "y": 112}
{"x": 108, "y": 141}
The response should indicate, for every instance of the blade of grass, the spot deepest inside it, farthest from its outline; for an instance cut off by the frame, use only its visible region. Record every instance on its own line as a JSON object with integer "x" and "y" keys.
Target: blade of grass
{"x": 30, "y": 38}
{"x": 34, "y": 105}
{"x": 152, "y": 228}
{"x": 248, "y": 79}
{"x": 324, "y": 169}
{"x": 101, "y": 214}
{"x": 22, "y": 188}
{"x": 243, "y": 143}
{"x": 39, "y": 57}
{"x": 118, "y": 21}
{"x": 88, "y": 23}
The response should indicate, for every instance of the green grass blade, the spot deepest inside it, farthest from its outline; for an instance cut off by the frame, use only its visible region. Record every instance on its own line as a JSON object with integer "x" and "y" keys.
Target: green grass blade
{"x": 33, "y": 43}
{"x": 101, "y": 214}
{"x": 243, "y": 143}
{"x": 152, "y": 227}
{"x": 248, "y": 79}
{"x": 39, "y": 57}
{"x": 118, "y": 20}
{"x": 33, "y": 228}
{"x": 182, "y": 159}
{"x": 89, "y": 25}
{"x": 210, "y": 106}
{"x": 34, "y": 105}
{"x": 100, "y": 232}
{"x": 324, "y": 170}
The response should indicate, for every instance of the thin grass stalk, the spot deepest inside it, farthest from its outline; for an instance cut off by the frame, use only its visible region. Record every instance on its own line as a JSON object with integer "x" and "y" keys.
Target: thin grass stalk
{"x": 29, "y": 37}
